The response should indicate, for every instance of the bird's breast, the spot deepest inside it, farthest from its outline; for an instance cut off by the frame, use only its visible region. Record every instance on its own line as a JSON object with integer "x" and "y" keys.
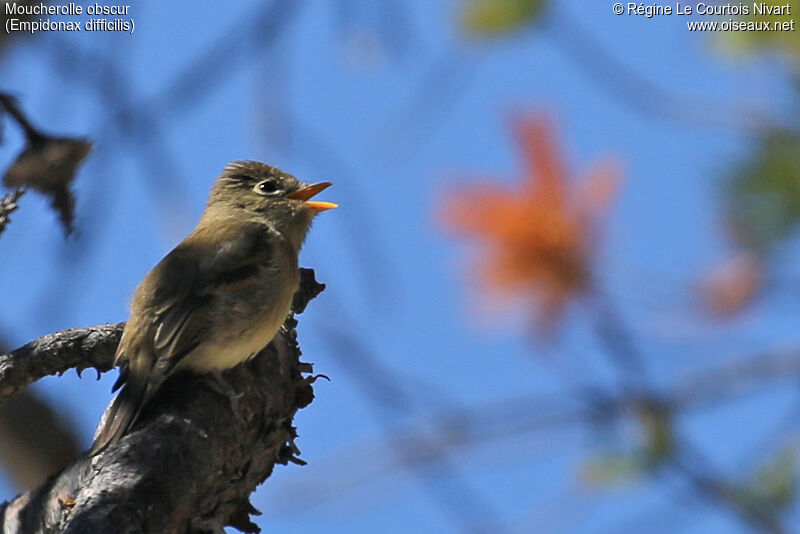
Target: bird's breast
{"x": 244, "y": 322}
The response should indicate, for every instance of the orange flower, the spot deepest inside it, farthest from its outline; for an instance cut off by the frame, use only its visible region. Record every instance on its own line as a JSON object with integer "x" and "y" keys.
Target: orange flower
{"x": 538, "y": 236}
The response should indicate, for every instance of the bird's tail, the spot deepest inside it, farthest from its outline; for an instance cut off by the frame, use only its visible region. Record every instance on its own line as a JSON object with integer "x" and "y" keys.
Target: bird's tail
{"x": 122, "y": 412}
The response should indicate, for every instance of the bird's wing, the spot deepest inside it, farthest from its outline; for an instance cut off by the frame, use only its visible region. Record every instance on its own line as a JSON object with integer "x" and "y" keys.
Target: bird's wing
{"x": 177, "y": 300}
{"x": 229, "y": 263}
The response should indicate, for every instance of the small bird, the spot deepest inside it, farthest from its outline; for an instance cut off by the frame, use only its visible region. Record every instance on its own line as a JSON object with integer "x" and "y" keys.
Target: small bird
{"x": 221, "y": 295}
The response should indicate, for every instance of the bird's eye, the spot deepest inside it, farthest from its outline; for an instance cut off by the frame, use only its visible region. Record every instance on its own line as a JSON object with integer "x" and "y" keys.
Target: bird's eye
{"x": 267, "y": 187}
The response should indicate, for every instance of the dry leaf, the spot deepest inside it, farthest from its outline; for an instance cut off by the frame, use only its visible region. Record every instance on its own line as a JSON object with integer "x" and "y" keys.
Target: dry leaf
{"x": 48, "y": 165}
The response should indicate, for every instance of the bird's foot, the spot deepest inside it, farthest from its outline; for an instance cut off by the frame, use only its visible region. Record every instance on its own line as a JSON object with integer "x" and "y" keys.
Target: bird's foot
{"x": 221, "y": 385}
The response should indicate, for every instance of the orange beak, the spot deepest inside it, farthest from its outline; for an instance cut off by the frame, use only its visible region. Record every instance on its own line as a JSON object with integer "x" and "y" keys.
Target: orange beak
{"x": 307, "y": 192}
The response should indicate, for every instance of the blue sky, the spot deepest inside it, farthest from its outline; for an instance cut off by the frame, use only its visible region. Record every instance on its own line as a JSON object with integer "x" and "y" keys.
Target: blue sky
{"x": 393, "y": 125}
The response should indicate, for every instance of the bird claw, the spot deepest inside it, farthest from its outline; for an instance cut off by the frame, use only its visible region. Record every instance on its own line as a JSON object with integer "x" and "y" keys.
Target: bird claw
{"x": 294, "y": 447}
{"x": 312, "y": 379}
{"x": 294, "y": 457}
{"x": 224, "y": 388}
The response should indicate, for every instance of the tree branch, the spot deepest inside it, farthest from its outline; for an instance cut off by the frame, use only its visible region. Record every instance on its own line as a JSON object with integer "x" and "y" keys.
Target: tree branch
{"x": 8, "y": 204}
{"x": 198, "y": 450}
{"x": 77, "y": 348}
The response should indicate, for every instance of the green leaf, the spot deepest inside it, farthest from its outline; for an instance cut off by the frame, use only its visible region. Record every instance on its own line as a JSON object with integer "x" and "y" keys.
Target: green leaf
{"x": 786, "y": 41}
{"x": 490, "y": 18}
{"x": 658, "y": 436}
{"x": 613, "y": 468}
{"x": 654, "y": 445}
{"x": 763, "y": 204}
{"x": 773, "y": 487}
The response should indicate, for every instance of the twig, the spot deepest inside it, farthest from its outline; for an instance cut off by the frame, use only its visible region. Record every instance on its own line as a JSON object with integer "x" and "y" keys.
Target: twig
{"x": 621, "y": 354}
{"x": 9, "y": 103}
{"x": 717, "y": 491}
{"x": 459, "y": 427}
{"x": 423, "y": 457}
{"x": 8, "y": 205}
{"x": 618, "y": 343}
{"x": 77, "y": 348}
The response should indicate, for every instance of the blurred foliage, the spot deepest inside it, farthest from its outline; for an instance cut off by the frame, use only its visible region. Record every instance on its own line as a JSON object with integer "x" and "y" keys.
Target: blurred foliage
{"x": 489, "y": 18}
{"x": 787, "y": 42}
{"x": 763, "y": 199}
{"x": 613, "y": 468}
{"x": 46, "y": 164}
{"x": 773, "y": 487}
{"x": 658, "y": 436}
{"x": 655, "y": 444}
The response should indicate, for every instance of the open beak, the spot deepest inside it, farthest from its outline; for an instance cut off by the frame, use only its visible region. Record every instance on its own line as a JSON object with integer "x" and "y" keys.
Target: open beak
{"x": 307, "y": 192}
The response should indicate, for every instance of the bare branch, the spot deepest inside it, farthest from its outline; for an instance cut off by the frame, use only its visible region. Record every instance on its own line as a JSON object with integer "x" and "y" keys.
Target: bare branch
{"x": 9, "y": 204}
{"x": 94, "y": 346}
{"x": 77, "y": 348}
{"x": 200, "y": 447}
{"x": 47, "y": 164}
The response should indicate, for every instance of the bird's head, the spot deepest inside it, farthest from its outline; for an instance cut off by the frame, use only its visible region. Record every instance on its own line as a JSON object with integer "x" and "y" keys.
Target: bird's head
{"x": 266, "y": 193}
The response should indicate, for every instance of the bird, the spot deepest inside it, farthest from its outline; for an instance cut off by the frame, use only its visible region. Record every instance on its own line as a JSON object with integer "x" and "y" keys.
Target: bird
{"x": 221, "y": 295}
